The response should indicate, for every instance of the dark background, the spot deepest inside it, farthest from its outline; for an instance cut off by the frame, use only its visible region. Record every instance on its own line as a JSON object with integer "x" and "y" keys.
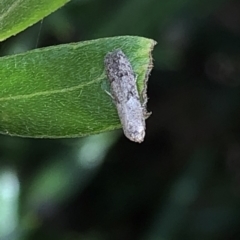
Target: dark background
{"x": 183, "y": 181}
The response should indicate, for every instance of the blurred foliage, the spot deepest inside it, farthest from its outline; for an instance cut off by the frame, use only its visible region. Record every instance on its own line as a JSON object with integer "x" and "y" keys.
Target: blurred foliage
{"x": 183, "y": 182}
{"x": 16, "y": 16}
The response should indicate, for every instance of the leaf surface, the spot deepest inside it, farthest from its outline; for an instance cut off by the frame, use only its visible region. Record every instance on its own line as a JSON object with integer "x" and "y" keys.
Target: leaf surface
{"x": 17, "y": 15}
{"x": 60, "y": 91}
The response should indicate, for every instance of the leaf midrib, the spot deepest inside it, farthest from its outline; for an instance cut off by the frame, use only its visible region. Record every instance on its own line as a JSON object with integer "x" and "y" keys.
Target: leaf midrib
{"x": 44, "y": 93}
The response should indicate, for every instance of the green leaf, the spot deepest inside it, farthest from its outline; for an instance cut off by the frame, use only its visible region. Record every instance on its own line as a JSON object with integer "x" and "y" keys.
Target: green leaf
{"x": 60, "y": 91}
{"x": 17, "y": 15}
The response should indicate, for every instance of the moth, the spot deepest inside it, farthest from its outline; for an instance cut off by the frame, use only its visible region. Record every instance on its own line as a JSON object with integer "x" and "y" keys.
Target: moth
{"x": 124, "y": 91}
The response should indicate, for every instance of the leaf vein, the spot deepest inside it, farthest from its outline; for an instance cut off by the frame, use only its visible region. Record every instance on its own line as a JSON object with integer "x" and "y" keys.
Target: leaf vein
{"x": 11, "y": 8}
{"x": 25, "y": 96}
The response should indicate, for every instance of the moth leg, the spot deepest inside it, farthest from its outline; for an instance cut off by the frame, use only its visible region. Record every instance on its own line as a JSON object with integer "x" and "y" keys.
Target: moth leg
{"x": 109, "y": 94}
{"x": 135, "y": 77}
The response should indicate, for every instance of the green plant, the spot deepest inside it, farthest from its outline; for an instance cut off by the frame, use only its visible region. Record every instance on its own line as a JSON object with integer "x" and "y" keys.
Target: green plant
{"x": 60, "y": 91}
